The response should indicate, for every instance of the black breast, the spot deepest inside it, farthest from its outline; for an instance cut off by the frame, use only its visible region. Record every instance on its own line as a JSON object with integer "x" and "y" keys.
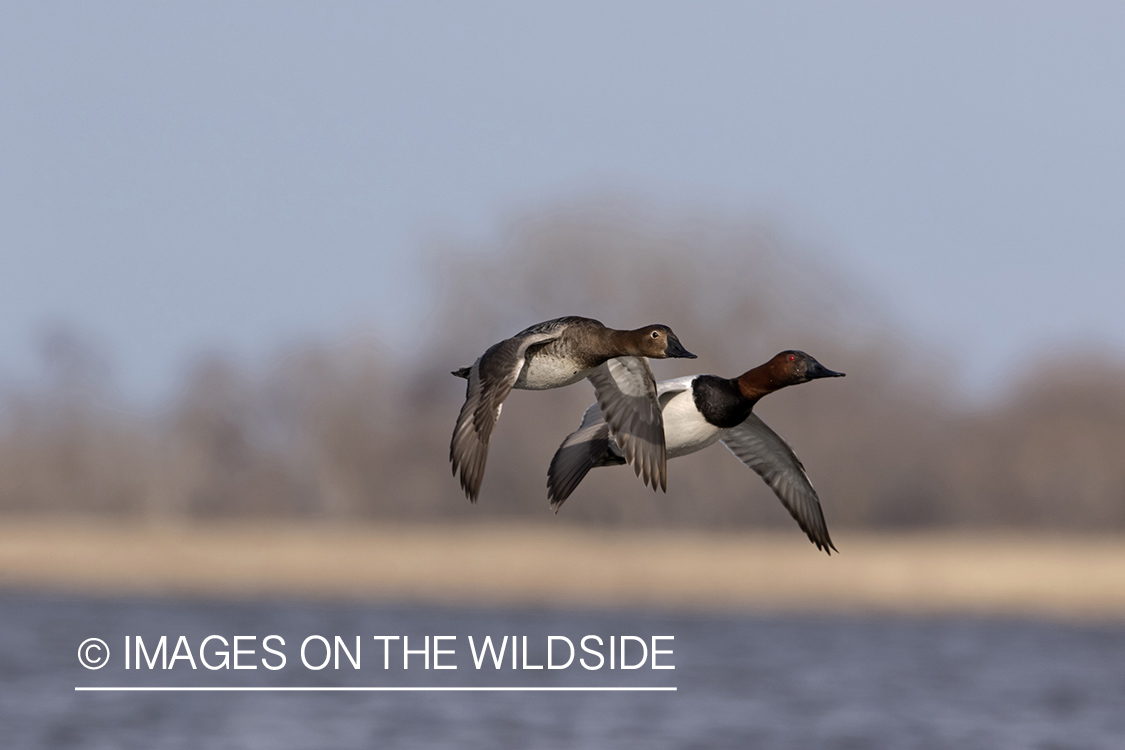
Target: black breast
{"x": 719, "y": 401}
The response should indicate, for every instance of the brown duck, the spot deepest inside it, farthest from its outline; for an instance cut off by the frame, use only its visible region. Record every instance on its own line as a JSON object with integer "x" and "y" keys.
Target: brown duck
{"x": 557, "y": 353}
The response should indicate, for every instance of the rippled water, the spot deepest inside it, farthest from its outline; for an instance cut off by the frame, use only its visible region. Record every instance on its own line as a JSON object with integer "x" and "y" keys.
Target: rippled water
{"x": 742, "y": 682}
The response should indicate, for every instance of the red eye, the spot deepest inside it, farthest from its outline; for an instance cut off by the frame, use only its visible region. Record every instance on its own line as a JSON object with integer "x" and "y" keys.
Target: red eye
{"x": 792, "y": 357}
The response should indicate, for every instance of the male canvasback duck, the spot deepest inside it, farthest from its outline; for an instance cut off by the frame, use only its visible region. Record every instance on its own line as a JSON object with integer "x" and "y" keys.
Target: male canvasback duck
{"x": 700, "y": 410}
{"x": 557, "y": 353}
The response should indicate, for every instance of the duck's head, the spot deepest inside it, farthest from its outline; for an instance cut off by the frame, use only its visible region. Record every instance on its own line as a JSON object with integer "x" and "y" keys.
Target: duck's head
{"x": 659, "y": 342}
{"x": 793, "y": 367}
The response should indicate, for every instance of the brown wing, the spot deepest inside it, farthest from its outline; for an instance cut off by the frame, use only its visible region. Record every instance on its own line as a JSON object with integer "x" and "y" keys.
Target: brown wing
{"x": 490, "y": 381}
{"x": 626, "y": 391}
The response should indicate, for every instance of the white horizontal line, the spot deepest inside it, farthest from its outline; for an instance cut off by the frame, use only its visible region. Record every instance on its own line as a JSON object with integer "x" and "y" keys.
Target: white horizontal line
{"x": 379, "y": 689}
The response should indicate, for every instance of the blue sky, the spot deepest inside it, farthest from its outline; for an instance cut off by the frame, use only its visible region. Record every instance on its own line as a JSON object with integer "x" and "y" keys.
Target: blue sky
{"x": 234, "y": 176}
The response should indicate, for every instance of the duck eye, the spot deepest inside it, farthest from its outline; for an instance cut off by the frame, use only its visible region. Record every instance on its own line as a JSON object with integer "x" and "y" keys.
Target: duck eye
{"x": 656, "y": 334}
{"x": 792, "y": 357}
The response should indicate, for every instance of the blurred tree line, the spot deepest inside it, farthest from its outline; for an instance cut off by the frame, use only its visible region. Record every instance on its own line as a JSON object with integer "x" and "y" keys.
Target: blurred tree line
{"x": 358, "y": 431}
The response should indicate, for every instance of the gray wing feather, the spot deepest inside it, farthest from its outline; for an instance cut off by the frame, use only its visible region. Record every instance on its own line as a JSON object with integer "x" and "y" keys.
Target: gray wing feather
{"x": 490, "y": 381}
{"x": 588, "y": 446}
{"x": 626, "y": 391}
{"x": 591, "y": 445}
{"x": 666, "y": 390}
{"x": 767, "y": 453}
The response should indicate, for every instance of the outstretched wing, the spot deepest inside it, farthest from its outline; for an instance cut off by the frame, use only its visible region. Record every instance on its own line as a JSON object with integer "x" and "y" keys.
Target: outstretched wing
{"x": 583, "y": 449}
{"x": 490, "y": 381}
{"x": 626, "y": 391}
{"x": 591, "y": 445}
{"x": 767, "y": 453}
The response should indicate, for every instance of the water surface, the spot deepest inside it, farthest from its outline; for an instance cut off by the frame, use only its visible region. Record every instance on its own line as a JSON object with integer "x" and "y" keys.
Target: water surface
{"x": 742, "y": 681}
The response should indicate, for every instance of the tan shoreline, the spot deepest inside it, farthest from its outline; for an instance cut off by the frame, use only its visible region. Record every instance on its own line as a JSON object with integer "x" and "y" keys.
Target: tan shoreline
{"x": 1059, "y": 576}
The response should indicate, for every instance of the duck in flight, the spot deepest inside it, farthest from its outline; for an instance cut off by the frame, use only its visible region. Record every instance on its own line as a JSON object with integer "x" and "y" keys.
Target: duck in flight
{"x": 557, "y": 353}
{"x": 699, "y": 410}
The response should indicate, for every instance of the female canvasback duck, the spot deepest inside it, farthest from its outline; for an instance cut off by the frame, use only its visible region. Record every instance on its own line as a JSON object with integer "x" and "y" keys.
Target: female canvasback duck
{"x": 700, "y": 410}
{"x": 557, "y": 353}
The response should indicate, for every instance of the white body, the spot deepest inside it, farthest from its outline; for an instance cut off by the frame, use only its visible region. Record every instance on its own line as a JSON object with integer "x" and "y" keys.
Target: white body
{"x": 543, "y": 373}
{"x": 685, "y": 429}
